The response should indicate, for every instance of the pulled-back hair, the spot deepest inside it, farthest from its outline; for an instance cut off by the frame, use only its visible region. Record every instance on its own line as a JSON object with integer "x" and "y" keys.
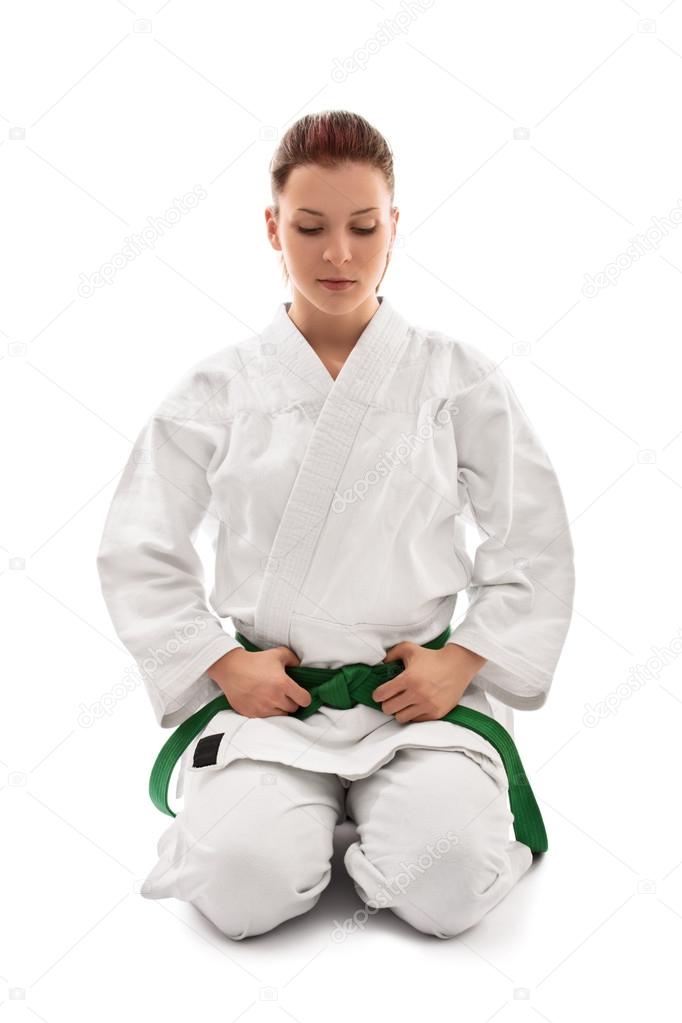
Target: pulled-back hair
{"x": 329, "y": 138}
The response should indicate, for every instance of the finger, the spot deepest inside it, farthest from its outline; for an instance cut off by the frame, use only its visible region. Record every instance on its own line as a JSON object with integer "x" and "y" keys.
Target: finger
{"x": 392, "y": 688}
{"x": 298, "y": 694}
{"x": 397, "y": 703}
{"x": 409, "y": 714}
{"x": 287, "y": 657}
{"x": 286, "y": 704}
{"x": 396, "y": 652}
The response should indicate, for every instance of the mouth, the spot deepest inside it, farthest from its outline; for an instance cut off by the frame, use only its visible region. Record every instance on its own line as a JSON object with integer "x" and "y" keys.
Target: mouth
{"x": 336, "y": 283}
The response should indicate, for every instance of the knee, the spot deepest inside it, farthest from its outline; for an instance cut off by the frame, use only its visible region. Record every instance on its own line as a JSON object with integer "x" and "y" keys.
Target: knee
{"x": 250, "y": 887}
{"x": 445, "y": 891}
{"x": 455, "y": 906}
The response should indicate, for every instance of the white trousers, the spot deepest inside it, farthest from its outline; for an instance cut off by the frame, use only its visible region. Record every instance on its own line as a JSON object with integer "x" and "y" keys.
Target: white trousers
{"x": 253, "y": 845}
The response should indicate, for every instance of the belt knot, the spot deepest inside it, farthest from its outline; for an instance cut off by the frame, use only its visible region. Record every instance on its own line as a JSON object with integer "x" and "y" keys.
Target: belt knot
{"x": 342, "y": 690}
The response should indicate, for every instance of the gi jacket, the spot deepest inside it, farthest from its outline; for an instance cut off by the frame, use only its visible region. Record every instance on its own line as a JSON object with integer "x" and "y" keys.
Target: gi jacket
{"x": 336, "y": 510}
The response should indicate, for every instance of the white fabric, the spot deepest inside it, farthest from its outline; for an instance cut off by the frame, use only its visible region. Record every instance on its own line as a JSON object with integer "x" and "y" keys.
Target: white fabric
{"x": 336, "y": 508}
{"x": 253, "y": 846}
{"x": 337, "y": 513}
{"x": 357, "y": 741}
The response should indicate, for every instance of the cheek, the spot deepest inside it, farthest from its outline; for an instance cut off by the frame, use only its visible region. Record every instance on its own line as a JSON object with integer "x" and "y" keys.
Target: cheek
{"x": 300, "y": 248}
{"x": 378, "y": 247}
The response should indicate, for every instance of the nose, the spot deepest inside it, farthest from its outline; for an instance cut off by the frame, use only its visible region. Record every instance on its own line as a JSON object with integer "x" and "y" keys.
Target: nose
{"x": 337, "y": 251}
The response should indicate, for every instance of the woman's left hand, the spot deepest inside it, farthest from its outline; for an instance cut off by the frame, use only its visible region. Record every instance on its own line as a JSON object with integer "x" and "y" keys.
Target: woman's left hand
{"x": 431, "y": 684}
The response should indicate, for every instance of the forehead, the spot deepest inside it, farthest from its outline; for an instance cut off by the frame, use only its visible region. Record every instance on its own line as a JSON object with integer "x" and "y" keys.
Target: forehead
{"x": 341, "y": 189}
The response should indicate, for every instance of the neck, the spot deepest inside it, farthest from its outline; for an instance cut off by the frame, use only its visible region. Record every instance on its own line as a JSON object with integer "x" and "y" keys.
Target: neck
{"x": 331, "y": 335}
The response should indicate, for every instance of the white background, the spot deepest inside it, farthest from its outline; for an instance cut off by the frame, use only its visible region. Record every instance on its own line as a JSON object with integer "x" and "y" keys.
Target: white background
{"x": 532, "y": 142}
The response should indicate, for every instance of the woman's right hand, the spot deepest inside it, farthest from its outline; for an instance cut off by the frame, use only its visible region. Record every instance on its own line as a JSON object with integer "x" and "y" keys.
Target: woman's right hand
{"x": 256, "y": 684}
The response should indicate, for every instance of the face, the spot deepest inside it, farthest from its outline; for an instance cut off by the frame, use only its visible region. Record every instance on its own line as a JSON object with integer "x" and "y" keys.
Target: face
{"x": 334, "y": 223}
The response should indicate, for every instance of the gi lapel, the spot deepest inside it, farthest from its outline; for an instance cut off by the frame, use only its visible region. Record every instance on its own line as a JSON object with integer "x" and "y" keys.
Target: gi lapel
{"x": 325, "y": 456}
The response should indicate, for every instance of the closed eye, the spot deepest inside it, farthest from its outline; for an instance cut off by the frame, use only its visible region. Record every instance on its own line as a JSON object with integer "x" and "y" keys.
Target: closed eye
{"x": 358, "y": 230}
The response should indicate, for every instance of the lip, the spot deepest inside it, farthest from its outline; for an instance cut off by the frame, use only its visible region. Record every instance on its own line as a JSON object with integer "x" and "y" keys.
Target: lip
{"x": 336, "y": 285}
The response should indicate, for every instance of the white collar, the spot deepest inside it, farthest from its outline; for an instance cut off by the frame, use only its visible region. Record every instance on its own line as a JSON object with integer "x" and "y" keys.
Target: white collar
{"x": 380, "y": 343}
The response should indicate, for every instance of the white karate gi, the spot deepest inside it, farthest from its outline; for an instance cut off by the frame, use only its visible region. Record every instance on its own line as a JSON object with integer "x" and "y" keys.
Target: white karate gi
{"x": 336, "y": 513}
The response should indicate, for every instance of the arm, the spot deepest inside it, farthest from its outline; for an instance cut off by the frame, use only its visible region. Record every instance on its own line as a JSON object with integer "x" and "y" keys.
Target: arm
{"x": 150, "y": 572}
{"x": 522, "y": 585}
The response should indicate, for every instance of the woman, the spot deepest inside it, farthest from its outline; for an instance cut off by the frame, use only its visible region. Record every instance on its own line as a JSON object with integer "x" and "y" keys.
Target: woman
{"x": 333, "y": 456}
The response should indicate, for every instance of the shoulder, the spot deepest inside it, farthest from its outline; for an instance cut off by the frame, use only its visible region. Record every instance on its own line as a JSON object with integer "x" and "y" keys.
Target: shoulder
{"x": 465, "y": 364}
{"x": 206, "y": 389}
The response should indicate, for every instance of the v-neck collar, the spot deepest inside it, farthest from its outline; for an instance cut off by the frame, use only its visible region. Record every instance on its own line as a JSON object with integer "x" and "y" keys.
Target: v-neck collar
{"x": 325, "y": 452}
{"x": 299, "y": 357}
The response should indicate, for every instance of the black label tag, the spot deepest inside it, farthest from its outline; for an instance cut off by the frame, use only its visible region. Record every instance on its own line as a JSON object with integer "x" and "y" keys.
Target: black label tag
{"x": 206, "y": 751}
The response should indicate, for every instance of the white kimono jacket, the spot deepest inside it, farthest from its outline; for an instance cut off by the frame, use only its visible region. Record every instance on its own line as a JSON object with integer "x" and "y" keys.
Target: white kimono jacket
{"x": 335, "y": 508}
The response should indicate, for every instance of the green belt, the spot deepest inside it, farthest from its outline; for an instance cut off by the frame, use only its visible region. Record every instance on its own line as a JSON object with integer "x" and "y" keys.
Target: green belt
{"x": 344, "y": 688}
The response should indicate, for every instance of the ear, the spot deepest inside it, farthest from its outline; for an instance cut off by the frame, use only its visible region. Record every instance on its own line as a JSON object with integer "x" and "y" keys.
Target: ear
{"x": 272, "y": 228}
{"x": 396, "y": 217}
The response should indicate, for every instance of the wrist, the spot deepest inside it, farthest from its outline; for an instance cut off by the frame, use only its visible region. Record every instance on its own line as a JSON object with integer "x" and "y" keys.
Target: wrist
{"x": 475, "y": 660}
{"x": 215, "y": 668}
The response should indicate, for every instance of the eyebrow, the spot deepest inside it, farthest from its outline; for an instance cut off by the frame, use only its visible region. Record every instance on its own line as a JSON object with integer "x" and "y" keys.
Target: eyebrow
{"x": 316, "y": 213}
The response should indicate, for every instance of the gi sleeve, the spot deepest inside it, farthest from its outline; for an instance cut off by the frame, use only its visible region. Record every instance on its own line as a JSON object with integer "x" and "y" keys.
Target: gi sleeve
{"x": 150, "y": 571}
{"x": 522, "y": 582}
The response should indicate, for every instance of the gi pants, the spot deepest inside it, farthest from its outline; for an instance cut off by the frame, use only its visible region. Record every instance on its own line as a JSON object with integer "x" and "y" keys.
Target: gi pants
{"x": 253, "y": 845}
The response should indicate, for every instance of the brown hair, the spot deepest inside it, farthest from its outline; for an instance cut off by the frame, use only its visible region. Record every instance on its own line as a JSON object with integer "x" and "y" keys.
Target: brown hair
{"x": 329, "y": 138}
